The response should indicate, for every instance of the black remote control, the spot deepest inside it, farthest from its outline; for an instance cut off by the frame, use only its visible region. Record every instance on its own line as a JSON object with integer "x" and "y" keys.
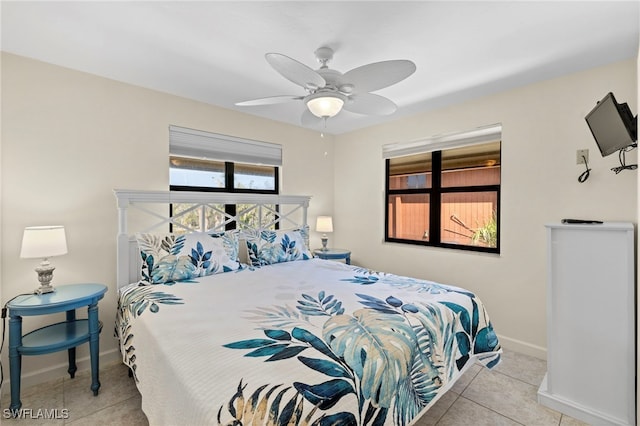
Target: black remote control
{"x": 581, "y": 221}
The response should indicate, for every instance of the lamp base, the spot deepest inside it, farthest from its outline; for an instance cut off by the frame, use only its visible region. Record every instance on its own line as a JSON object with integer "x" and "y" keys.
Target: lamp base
{"x": 44, "y": 289}
{"x": 45, "y": 275}
{"x": 324, "y": 243}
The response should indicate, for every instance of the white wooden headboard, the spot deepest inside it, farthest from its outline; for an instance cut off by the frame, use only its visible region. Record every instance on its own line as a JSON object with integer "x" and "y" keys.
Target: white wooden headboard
{"x": 147, "y": 211}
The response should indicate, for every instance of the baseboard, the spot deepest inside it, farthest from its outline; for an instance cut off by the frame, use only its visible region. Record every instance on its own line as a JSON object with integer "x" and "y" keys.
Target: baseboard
{"x": 523, "y": 347}
{"x": 575, "y": 410}
{"x": 60, "y": 370}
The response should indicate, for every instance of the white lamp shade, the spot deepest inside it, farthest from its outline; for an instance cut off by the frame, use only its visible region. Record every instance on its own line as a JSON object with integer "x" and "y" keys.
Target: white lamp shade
{"x": 324, "y": 224}
{"x": 325, "y": 106}
{"x": 43, "y": 242}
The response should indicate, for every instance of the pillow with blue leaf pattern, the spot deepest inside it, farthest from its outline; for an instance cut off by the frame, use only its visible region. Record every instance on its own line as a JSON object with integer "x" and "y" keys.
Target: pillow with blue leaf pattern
{"x": 268, "y": 247}
{"x": 169, "y": 258}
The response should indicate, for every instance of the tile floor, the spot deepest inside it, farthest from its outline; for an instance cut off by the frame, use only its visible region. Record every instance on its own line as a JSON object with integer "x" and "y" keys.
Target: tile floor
{"x": 505, "y": 395}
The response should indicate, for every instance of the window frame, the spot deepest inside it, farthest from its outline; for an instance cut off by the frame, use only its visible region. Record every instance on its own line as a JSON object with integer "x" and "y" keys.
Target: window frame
{"x": 229, "y": 168}
{"x": 229, "y": 186}
{"x": 435, "y": 192}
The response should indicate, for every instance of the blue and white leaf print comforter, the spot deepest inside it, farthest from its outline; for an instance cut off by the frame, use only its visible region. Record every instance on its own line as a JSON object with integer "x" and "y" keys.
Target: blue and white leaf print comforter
{"x": 311, "y": 342}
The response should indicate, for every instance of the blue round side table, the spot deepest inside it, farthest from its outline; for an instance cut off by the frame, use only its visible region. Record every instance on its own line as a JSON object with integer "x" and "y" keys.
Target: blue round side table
{"x": 334, "y": 253}
{"x": 55, "y": 337}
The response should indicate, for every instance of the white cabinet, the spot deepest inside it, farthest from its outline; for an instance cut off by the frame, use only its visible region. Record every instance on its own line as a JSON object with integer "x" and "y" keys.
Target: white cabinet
{"x": 591, "y": 323}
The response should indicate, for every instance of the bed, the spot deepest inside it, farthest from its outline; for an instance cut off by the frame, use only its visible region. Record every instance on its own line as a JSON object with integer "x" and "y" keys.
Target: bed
{"x": 244, "y": 326}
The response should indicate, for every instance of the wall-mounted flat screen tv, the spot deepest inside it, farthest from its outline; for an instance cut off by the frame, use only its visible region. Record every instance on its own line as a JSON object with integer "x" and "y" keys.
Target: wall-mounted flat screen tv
{"x": 612, "y": 125}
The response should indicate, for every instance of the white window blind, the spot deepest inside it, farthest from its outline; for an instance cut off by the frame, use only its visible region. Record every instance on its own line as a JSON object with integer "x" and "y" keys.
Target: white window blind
{"x": 436, "y": 143}
{"x": 186, "y": 142}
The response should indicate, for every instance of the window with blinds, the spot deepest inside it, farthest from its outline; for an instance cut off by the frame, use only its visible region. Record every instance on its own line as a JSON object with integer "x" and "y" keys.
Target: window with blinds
{"x": 201, "y": 161}
{"x": 204, "y": 161}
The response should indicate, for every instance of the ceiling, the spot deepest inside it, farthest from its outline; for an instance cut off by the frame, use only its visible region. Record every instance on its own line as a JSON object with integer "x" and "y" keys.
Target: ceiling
{"x": 213, "y": 51}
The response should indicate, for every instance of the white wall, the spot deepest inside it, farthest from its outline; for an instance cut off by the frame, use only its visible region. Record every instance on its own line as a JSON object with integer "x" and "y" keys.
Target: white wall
{"x": 70, "y": 138}
{"x": 543, "y": 126}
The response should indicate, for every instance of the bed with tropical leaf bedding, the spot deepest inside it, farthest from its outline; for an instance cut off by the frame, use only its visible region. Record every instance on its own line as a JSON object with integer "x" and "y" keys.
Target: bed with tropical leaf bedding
{"x": 287, "y": 338}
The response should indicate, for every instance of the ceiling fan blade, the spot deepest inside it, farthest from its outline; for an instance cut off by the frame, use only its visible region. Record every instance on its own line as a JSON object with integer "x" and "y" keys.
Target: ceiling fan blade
{"x": 310, "y": 120}
{"x": 370, "y": 104}
{"x": 270, "y": 100}
{"x": 379, "y": 75}
{"x": 295, "y": 71}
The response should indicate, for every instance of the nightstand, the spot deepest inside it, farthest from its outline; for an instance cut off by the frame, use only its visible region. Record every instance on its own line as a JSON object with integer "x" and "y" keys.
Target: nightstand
{"x": 55, "y": 337}
{"x": 334, "y": 253}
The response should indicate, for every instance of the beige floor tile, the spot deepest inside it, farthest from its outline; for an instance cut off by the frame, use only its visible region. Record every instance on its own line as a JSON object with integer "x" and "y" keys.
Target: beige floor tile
{"x": 466, "y": 412}
{"x": 522, "y": 367}
{"x": 570, "y": 421}
{"x": 464, "y": 381}
{"x": 510, "y": 397}
{"x": 48, "y": 391}
{"x": 41, "y": 405}
{"x": 435, "y": 413}
{"x": 127, "y": 413}
{"x": 30, "y": 417}
{"x": 115, "y": 387}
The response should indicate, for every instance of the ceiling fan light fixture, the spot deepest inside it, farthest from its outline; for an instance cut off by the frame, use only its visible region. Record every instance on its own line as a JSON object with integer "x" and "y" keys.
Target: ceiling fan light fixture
{"x": 330, "y": 91}
{"x": 325, "y": 104}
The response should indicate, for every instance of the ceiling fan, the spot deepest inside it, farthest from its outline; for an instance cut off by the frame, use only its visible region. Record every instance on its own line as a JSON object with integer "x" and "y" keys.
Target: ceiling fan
{"x": 329, "y": 91}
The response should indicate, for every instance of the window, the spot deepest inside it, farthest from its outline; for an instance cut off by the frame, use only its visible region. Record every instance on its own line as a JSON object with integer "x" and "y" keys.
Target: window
{"x": 254, "y": 177}
{"x": 446, "y": 197}
{"x": 196, "y": 174}
{"x": 202, "y": 161}
{"x": 190, "y": 174}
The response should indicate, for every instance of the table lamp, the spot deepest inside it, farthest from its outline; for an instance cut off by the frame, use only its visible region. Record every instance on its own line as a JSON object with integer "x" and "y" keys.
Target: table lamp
{"x": 324, "y": 224}
{"x": 43, "y": 242}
